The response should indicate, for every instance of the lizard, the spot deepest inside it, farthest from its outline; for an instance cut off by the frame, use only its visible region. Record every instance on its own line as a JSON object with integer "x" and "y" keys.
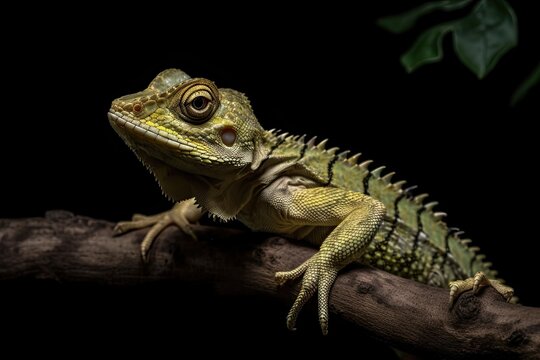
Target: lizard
{"x": 209, "y": 154}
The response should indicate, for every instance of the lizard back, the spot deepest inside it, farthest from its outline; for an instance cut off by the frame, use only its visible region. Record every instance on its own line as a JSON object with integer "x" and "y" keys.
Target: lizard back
{"x": 414, "y": 241}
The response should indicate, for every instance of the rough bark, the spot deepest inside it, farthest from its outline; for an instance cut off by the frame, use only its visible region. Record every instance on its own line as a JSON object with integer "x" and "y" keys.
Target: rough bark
{"x": 406, "y": 314}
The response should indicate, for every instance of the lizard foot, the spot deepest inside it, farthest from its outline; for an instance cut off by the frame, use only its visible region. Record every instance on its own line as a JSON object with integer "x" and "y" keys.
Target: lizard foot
{"x": 319, "y": 276}
{"x": 183, "y": 214}
{"x": 475, "y": 283}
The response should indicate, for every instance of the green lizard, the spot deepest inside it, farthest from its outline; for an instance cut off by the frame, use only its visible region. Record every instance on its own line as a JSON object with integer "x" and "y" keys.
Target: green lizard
{"x": 209, "y": 153}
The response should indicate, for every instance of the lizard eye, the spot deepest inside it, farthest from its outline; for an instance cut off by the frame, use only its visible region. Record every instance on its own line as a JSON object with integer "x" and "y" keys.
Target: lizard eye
{"x": 197, "y": 101}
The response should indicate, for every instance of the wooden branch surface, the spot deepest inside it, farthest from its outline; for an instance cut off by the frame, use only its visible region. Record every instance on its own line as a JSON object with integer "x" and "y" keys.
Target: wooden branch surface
{"x": 406, "y": 314}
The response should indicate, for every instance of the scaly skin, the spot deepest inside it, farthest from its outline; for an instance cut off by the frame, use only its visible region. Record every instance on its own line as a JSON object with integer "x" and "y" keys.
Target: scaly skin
{"x": 209, "y": 154}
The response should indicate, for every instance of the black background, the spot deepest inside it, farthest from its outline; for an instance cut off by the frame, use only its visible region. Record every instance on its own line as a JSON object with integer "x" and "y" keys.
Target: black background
{"x": 320, "y": 70}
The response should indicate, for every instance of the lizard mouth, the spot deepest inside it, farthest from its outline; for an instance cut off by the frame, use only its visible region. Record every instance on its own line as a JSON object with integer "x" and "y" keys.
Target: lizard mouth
{"x": 157, "y": 145}
{"x": 132, "y": 130}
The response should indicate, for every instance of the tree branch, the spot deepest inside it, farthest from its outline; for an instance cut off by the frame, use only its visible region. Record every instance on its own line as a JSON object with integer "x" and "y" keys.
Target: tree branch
{"x": 404, "y": 313}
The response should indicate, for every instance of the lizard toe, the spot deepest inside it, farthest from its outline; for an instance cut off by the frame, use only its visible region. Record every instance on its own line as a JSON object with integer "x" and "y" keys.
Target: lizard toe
{"x": 283, "y": 276}
{"x": 475, "y": 283}
{"x": 325, "y": 285}
{"x": 318, "y": 277}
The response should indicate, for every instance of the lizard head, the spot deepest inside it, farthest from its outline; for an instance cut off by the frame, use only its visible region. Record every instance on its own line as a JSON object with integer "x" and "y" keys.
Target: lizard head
{"x": 189, "y": 125}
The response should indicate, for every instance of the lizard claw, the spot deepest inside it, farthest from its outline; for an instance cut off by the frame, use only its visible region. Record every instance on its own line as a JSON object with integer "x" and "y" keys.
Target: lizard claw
{"x": 319, "y": 276}
{"x": 475, "y": 284}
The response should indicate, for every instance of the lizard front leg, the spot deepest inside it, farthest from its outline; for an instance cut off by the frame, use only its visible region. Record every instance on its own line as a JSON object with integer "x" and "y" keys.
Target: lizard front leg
{"x": 182, "y": 214}
{"x": 357, "y": 218}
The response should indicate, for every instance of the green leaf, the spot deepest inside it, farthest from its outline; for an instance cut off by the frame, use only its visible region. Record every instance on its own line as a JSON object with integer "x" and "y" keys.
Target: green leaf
{"x": 486, "y": 34}
{"x": 403, "y": 22}
{"x": 525, "y": 86}
{"x": 426, "y": 49}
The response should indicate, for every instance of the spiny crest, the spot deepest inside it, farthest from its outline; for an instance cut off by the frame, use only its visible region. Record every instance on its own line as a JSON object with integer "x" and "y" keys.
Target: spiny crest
{"x": 365, "y": 164}
{"x": 322, "y": 144}
{"x": 311, "y": 144}
{"x": 419, "y": 199}
{"x": 332, "y": 151}
{"x": 388, "y": 177}
{"x": 377, "y": 172}
{"x": 353, "y": 159}
{"x": 342, "y": 156}
{"x": 288, "y": 141}
{"x": 410, "y": 189}
{"x": 431, "y": 222}
{"x": 431, "y": 205}
{"x": 300, "y": 141}
{"x": 439, "y": 215}
{"x": 399, "y": 184}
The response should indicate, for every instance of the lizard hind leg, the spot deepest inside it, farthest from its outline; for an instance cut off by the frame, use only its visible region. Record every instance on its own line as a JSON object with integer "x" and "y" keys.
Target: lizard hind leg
{"x": 183, "y": 214}
{"x": 476, "y": 283}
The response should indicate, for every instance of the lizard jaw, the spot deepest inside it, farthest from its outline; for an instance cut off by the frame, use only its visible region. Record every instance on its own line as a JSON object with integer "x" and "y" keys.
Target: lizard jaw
{"x": 134, "y": 130}
{"x": 179, "y": 153}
